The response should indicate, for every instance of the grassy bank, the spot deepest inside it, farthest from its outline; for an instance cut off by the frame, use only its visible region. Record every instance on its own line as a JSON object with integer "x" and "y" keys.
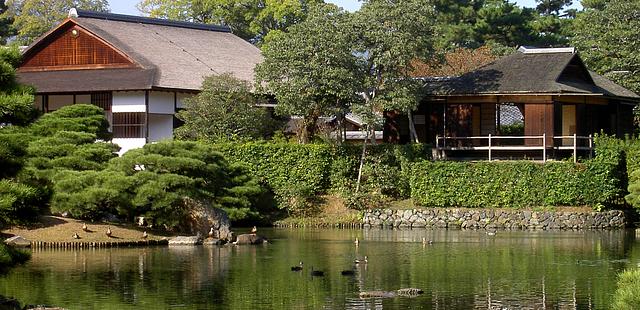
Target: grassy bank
{"x": 59, "y": 229}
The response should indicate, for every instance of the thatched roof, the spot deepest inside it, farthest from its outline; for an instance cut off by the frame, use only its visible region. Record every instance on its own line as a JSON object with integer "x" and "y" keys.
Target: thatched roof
{"x": 167, "y": 54}
{"x": 538, "y": 71}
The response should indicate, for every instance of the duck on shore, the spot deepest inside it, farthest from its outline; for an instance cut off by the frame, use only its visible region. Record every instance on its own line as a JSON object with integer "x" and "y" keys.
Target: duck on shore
{"x": 108, "y": 232}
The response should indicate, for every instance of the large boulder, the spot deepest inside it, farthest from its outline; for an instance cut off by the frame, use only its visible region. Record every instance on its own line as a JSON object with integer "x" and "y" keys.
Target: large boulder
{"x": 18, "y": 241}
{"x": 250, "y": 239}
{"x": 201, "y": 218}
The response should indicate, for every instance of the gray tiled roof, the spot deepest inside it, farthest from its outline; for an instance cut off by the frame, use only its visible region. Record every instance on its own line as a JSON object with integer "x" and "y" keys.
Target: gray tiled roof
{"x": 171, "y": 55}
{"x": 529, "y": 73}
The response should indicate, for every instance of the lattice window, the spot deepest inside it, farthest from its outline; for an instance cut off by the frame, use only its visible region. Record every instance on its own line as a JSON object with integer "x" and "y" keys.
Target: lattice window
{"x": 102, "y": 100}
{"x": 128, "y": 125}
{"x": 510, "y": 120}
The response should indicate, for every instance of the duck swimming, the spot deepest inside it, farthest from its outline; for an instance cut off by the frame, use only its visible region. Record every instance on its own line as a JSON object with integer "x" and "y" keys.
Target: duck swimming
{"x": 297, "y": 268}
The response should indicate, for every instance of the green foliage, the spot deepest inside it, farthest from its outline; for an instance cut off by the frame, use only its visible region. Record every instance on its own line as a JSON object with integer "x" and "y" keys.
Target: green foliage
{"x": 519, "y": 184}
{"x": 296, "y": 173}
{"x": 84, "y": 118}
{"x": 16, "y": 101}
{"x": 627, "y": 295}
{"x": 19, "y": 203}
{"x": 6, "y": 31}
{"x": 606, "y": 34}
{"x": 250, "y": 19}
{"x": 224, "y": 110}
{"x": 311, "y": 68}
{"x": 156, "y": 181}
{"x": 32, "y": 18}
{"x": 471, "y": 24}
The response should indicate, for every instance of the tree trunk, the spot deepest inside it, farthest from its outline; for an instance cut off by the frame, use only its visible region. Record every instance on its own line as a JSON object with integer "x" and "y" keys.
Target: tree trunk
{"x": 412, "y": 128}
{"x": 308, "y": 129}
{"x": 364, "y": 152}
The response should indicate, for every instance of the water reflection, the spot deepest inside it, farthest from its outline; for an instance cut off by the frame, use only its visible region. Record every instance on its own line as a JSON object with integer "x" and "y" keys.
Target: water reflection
{"x": 459, "y": 270}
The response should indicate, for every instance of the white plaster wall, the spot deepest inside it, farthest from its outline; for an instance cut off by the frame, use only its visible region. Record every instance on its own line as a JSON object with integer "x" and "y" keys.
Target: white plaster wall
{"x": 128, "y": 144}
{"x": 83, "y": 99}
{"x": 181, "y": 97}
{"x": 161, "y": 102}
{"x": 160, "y": 127}
{"x": 59, "y": 101}
{"x": 128, "y": 102}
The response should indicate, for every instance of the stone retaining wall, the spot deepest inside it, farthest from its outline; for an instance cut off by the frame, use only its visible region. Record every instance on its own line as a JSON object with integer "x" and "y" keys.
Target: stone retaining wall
{"x": 493, "y": 219}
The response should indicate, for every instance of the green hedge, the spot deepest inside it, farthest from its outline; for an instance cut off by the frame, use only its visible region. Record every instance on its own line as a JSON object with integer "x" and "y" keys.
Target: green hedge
{"x": 519, "y": 184}
{"x": 296, "y": 173}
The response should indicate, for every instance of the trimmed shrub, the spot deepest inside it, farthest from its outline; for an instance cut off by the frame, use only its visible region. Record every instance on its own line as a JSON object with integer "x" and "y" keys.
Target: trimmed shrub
{"x": 19, "y": 203}
{"x": 296, "y": 173}
{"x": 627, "y": 296}
{"x": 154, "y": 181}
{"x": 518, "y": 184}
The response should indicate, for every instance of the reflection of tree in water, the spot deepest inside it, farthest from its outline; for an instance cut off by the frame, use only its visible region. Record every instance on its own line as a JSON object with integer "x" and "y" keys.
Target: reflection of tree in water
{"x": 460, "y": 270}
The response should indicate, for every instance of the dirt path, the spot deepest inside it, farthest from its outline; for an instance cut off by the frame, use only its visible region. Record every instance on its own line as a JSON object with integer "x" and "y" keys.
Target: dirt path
{"x": 59, "y": 229}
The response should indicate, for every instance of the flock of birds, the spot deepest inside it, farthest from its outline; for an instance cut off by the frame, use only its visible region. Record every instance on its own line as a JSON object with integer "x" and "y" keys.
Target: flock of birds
{"x": 145, "y": 235}
{"x": 347, "y": 272}
{"x": 358, "y": 262}
{"x": 109, "y": 232}
{"x": 320, "y": 273}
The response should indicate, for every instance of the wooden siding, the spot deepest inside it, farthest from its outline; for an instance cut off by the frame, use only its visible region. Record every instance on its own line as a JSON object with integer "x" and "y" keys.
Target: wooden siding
{"x": 66, "y": 50}
{"x": 488, "y": 119}
{"x": 538, "y": 119}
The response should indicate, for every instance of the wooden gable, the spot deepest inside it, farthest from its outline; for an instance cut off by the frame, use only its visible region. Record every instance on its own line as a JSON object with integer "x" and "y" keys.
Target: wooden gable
{"x": 70, "y": 47}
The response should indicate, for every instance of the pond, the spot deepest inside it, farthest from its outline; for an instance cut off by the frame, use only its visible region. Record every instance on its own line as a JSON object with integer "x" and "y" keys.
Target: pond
{"x": 459, "y": 270}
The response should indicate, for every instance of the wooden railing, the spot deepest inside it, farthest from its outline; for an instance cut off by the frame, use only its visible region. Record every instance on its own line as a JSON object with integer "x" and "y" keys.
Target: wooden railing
{"x": 492, "y": 143}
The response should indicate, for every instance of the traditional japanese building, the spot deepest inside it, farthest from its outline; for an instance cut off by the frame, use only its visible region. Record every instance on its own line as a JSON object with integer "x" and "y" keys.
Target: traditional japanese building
{"x": 536, "y": 101}
{"x": 138, "y": 69}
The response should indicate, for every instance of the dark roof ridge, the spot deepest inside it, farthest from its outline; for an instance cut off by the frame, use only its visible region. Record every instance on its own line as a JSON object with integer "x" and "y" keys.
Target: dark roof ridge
{"x": 149, "y": 20}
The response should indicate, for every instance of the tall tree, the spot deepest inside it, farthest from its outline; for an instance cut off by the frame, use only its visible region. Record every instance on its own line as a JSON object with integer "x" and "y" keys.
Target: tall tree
{"x": 6, "y": 31}
{"x": 311, "y": 69}
{"x": 225, "y": 110}
{"x": 249, "y": 19}
{"x": 16, "y": 101}
{"x": 32, "y": 18}
{"x": 552, "y": 7}
{"x": 606, "y": 34}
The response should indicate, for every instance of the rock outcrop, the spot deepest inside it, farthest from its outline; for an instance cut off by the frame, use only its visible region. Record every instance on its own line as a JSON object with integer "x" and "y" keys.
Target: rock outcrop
{"x": 250, "y": 239}
{"x": 202, "y": 218}
{"x": 18, "y": 241}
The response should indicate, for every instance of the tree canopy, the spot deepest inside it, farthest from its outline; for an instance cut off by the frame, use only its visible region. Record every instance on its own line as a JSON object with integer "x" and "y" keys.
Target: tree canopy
{"x": 606, "y": 34}
{"x": 224, "y": 110}
{"x": 311, "y": 69}
{"x": 249, "y": 19}
{"x": 32, "y": 18}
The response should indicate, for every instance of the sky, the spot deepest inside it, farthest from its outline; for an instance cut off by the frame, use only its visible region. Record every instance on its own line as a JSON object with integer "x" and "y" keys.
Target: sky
{"x": 129, "y": 6}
